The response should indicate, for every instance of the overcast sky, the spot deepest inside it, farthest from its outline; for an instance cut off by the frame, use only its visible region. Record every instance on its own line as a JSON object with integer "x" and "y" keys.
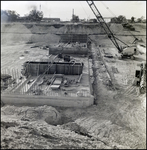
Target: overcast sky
{"x": 64, "y": 9}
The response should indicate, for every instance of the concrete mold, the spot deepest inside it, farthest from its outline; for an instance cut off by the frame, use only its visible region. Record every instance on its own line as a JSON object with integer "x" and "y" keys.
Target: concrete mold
{"x": 40, "y": 88}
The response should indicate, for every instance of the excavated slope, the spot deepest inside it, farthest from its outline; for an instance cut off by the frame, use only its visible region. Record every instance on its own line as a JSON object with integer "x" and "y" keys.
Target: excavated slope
{"x": 118, "y": 121}
{"x": 19, "y": 33}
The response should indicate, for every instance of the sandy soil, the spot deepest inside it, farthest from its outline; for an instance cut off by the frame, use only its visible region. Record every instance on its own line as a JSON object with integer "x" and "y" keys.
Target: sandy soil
{"x": 117, "y": 120}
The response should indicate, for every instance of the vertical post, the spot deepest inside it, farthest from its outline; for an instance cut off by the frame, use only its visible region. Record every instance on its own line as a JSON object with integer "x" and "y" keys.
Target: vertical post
{"x": 13, "y": 72}
{"x": 38, "y": 70}
{"x": 8, "y": 71}
{"x": 73, "y": 15}
{"x": 17, "y": 73}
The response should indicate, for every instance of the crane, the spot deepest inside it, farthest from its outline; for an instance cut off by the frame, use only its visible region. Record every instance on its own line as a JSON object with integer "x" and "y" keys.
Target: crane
{"x": 124, "y": 52}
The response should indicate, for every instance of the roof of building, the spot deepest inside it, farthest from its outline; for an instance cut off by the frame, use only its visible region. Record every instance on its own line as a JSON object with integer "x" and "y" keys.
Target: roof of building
{"x": 50, "y": 18}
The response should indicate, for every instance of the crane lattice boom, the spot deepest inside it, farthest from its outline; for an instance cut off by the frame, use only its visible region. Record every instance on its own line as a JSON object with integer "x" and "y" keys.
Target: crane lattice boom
{"x": 103, "y": 24}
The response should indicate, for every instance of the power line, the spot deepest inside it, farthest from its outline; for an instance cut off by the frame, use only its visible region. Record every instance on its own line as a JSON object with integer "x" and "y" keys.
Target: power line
{"x": 84, "y": 9}
{"x": 115, "y": 16}
{"x": 108, "y": 8}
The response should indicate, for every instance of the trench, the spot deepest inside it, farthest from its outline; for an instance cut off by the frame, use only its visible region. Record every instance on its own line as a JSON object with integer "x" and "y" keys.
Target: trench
{"x": 96, "y": 83}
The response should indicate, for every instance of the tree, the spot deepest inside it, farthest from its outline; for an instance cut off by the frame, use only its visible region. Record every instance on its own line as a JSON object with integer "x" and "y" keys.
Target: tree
{"x": 12, "y": 15}
{"x": 132, "y": 19}
{"x": 94, "y": 20}
{"x": 114, "y": 20}
{"x": 140, "y": 20}
{"x": 122, "y": 19}
{"x": 119, "y": 19}
{"x": 35, "y": 15}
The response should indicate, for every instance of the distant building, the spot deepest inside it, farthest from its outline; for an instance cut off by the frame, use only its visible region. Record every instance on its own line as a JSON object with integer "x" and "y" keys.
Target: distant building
{"x": 92, "y": 20}
{"x": 50, "y": 20}
{"x": 106, "y": 19}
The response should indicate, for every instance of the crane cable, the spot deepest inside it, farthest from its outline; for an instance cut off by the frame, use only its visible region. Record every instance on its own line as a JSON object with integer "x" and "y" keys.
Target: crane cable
{"x": 115, "y": 16}
{"x": 84, "y": 9}
{"x": 108, "y": 8}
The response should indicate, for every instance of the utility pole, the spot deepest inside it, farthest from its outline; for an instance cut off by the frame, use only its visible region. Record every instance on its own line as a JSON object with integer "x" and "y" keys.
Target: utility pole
{"x": 73, "y": 15}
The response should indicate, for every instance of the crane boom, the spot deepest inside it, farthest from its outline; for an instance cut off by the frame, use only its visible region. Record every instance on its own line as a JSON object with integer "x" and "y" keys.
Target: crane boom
{"x": 104, "y": 24}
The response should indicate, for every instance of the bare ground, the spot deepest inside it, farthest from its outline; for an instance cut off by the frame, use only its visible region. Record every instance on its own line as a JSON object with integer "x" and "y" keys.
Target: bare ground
{"x": 116, "y": 121}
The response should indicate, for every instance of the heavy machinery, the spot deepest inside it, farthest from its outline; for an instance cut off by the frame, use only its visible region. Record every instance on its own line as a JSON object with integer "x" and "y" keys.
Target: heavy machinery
{"x": 127, "y": 51}
{"x": 140, "y": 76}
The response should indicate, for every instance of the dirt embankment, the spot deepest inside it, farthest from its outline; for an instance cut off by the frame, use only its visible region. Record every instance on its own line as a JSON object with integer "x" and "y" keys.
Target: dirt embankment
{"x": 43, "y": 33}
{"x": 116, "y": 122}
{"x": 47, "y": 33}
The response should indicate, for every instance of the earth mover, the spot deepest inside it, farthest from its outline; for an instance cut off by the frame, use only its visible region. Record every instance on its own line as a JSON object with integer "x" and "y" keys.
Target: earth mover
{"x": 129, "y": 52}
{"x": 125, "y": 51}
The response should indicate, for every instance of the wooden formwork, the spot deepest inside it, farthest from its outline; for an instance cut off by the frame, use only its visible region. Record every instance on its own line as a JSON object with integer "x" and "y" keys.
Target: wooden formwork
{"x": 36, "y": 68}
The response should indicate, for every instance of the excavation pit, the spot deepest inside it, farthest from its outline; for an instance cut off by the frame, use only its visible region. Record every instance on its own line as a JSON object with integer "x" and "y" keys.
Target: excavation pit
{"x": 71, "y": 44}
{"x": 64, "y": 84}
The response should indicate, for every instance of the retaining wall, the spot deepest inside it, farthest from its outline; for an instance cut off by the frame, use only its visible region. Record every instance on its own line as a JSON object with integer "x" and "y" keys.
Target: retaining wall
{"x": 71, "y": 37}
{"x": 68, "y": 50}
{"x": 36, "y": 68}
{"x": 31, "y": 100}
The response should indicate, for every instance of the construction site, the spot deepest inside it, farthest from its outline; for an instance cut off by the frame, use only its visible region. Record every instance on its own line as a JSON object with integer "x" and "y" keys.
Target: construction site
{"x": 61, "y": 77}
{"x": 70, "y": 85}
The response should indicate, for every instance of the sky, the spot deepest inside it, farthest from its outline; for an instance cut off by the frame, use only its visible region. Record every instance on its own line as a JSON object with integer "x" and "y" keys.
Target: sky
{"x": 64, "y": 9}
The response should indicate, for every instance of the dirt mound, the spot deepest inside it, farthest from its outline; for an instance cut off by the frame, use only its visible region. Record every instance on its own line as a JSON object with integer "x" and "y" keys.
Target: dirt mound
{"x": 46, "y": 113}
{"x": 15, "y": 28}
{"x": 22, "y": 33}
{"x": 14, "y": 38}
{"x": 43, "y": 29}
{"x": 19, "y": 33}
{"x": 107, "y": 131}
{"x": 116, "y": 28}
{"x": 75, "y": 127}
{"x": 45, "y": 38}
{"x": 14, "y": 33}
{"x": 139, "y": 25}
{"x": 40, "y": 135}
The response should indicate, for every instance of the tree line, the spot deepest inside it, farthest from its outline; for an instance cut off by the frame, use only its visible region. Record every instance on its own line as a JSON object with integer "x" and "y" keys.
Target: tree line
{"x": 122, "y": 19}
{"x": 33, "y": 15}
{"x": 36, "y": 15}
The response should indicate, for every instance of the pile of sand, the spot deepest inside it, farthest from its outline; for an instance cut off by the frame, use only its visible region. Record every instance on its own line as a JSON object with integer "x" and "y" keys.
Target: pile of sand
{"x": 14, "y": 33}
{"x": 116, "y": 28}
{"x": 17, "y": 28}
{"x": 20, "y": 33}
{"x": 43, "y": 29}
